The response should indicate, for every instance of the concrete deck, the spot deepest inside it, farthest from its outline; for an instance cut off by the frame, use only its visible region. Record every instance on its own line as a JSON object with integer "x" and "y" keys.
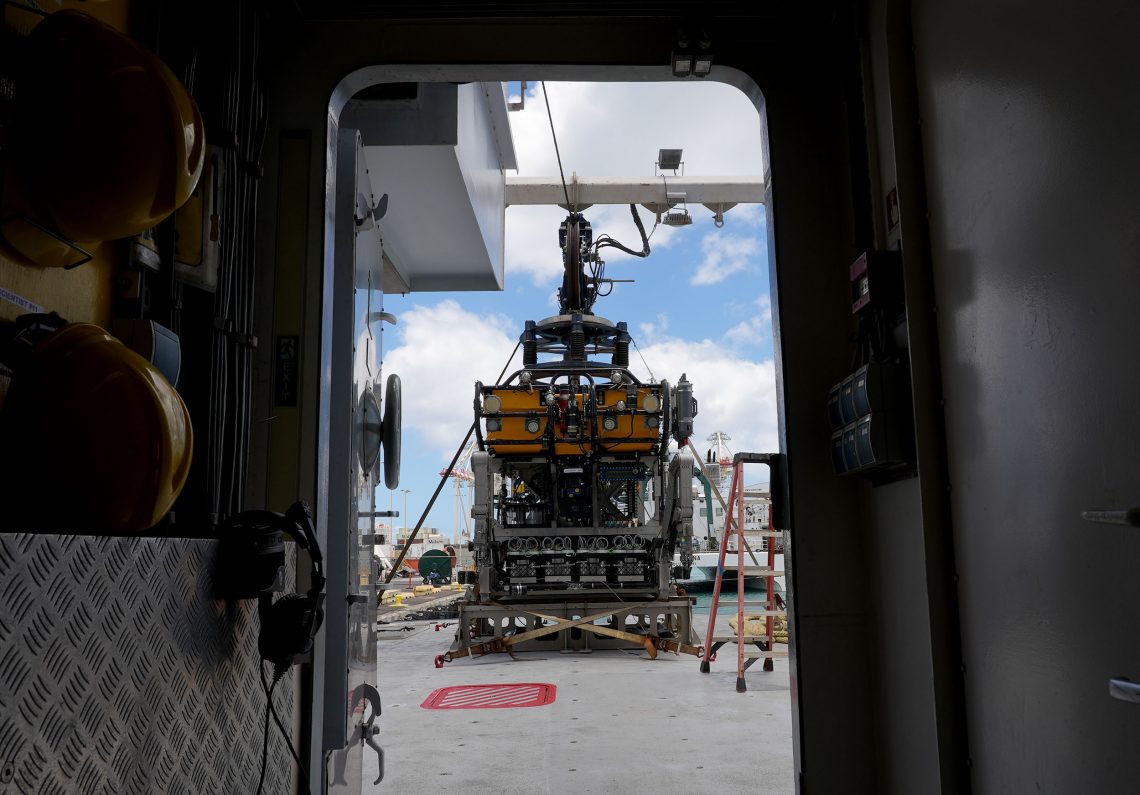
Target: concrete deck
{"x": 621, "y": 724}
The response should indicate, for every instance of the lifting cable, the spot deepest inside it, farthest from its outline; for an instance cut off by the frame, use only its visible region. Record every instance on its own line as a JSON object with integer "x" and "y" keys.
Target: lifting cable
{"x": 569, "y": 207}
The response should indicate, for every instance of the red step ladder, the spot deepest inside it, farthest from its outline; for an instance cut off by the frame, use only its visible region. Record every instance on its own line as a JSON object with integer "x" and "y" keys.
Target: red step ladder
{"x": 770, "y": 607}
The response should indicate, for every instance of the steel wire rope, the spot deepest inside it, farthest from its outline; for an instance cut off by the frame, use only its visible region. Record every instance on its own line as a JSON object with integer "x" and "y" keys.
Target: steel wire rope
{"x": 566, "y": 191}
{"x": 652, "y": 377}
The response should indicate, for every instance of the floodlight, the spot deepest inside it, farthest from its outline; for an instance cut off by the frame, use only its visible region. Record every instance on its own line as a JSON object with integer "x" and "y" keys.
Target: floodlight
{"x": 669, "y": 159}
{"x": 702, "y": 65}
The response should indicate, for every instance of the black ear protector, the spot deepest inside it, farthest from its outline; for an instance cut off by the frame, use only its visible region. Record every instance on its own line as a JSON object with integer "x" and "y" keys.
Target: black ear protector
{"x": 290, "y": 623}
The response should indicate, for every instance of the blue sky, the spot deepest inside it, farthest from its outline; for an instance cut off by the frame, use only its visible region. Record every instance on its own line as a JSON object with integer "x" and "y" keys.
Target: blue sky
{"x": 700, "y": 303}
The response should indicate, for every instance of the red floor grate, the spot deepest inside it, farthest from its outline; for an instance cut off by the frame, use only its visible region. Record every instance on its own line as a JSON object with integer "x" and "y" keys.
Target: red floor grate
{"x": 528, "y": 694}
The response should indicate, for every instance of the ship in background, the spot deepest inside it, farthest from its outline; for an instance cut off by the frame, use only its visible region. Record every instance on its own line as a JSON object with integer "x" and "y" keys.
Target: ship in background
{"x": 429, "y": 542}
{"x": 709, "y": 520}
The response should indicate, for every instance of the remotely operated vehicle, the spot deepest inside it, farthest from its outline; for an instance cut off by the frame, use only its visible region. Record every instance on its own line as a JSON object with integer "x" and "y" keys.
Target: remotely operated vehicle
{"x": 576, "y": 502}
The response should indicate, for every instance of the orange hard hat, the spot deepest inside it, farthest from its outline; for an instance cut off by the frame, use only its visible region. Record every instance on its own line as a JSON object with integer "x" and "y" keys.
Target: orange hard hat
{"x": 96, "y": 437}
{"x": 106, "y": 141}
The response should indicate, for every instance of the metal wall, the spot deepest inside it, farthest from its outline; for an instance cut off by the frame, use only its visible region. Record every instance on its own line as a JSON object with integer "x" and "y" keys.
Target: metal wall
{"x": 120, "y": 671}
{"x": 1029, "y": 116}
{"x": 922, "y": 739}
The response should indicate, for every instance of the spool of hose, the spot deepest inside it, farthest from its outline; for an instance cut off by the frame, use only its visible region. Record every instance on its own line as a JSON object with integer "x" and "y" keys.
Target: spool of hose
{"x": 531, "y": 544}
{"x": 559, "y": 545}
{"x": 601, "y": 543}
{"x": 547, "y": 544}
{"x": 514, "y": 544}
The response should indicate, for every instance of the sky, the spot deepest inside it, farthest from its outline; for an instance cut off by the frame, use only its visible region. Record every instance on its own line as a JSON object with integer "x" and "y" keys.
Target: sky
{"x": 699, "y": 306}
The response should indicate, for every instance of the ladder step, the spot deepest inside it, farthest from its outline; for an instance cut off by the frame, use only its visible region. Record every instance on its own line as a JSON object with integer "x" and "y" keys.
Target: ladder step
{"x": 763, "y": 655}
{"x": 760, "y": 571}
{"x": 756, "y": 612}
{"x": 732, "y": 638}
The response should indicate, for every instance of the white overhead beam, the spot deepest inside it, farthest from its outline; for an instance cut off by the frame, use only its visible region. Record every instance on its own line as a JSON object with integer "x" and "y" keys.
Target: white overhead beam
{"x": 586, "y": 191}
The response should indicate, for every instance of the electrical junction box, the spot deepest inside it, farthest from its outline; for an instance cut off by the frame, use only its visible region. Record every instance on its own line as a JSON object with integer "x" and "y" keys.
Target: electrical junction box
{"x": 876, "y": 441}
{"x": 866, "y": 412}
{"x": 876, "y": 282}
{"x": 847, "y": 399}
{"x": 873, "y": 388}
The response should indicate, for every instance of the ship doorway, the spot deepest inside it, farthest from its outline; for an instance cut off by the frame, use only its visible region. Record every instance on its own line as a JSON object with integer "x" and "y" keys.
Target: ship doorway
{"x": 700, "y": 305}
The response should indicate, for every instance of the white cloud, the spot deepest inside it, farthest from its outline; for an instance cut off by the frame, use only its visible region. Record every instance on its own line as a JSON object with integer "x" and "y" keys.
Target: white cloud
{"x": 651, "y": 331}
{"x": 668, "y": 115}
{"x": 725, "y": 254}
{"x": 735, "y": 394}
{"x": 755, "y": 328}
{"x": 443, "y": 350}
{"x": 747, "y": 215}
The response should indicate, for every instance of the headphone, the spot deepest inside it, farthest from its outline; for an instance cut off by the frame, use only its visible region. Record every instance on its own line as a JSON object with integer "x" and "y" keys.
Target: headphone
{"x": 289, "y": 624}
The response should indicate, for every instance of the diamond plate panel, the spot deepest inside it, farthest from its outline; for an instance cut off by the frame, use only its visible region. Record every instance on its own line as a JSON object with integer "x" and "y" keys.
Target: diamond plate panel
{"x": 120, "y": 673}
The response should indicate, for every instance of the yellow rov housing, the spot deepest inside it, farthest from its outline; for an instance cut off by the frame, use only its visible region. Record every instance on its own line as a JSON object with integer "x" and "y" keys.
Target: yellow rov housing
{"x": 521, "y": 421}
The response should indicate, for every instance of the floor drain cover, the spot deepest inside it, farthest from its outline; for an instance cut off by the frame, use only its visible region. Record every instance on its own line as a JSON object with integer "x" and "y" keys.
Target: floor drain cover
{"x": 528, "y": 694}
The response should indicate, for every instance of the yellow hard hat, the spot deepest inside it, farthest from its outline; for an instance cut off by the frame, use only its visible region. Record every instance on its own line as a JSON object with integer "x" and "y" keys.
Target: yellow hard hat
{"x": 106, "y": 140}
{"x": 96, "y": 438}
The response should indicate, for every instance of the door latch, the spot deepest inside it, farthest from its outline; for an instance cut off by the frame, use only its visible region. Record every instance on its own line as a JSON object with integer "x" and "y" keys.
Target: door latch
{"x": 1129, "y": 517}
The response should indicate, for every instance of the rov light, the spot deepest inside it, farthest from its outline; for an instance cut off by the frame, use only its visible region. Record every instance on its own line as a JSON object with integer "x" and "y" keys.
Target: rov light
{"x": 492, "y": 404}
{"x": 651, "y": 403}
{"x": 617, "y": 377}
{"x": 494, "y": 424}
{"x": 610, "y": 422}
{"x": 652, "y": 421}
{"x": 532, "y": 425}
{"x": 620, "y": 405}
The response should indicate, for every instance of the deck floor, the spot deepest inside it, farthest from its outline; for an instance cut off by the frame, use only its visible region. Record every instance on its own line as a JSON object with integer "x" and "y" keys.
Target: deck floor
{"x": 621, "y": 723}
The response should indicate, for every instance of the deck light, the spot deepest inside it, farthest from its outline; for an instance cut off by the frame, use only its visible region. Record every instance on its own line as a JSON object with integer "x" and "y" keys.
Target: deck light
{"x": 669, "y": 159}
